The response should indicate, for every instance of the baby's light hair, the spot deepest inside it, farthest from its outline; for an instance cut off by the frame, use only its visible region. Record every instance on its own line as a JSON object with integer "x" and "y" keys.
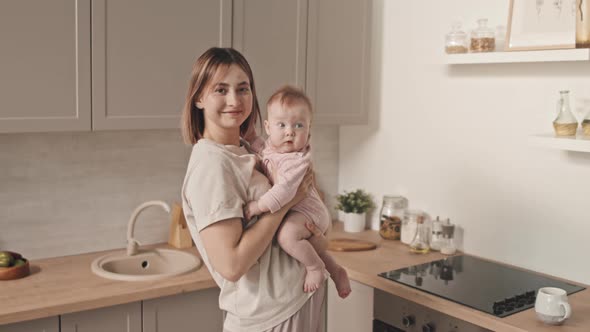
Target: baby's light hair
{"x": 289, "y": 95}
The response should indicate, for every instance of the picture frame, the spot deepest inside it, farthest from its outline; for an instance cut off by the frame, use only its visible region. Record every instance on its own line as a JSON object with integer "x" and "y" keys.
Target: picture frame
{"x": 541, "y": 25}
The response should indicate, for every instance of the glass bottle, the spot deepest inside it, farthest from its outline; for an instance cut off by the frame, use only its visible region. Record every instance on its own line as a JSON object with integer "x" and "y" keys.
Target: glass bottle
{"x": 390, "y": 217}
{"x": 436, "y": 235}
{"x": 410, "y": 225}
{"x": 483, "y": 38}
{"x": 448, "y": 245}
{"x": 419, "y": 244}
{"x": 582, "y": 23}
{"x": 456, "y": 40}
{"x": 565, "y": 124}
{"x": 584, "y": 111}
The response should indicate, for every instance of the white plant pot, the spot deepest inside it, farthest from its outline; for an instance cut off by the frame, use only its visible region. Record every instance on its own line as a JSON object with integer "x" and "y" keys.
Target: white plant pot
{"x": 341, "y": 215}
{"x": 354, "y": 222}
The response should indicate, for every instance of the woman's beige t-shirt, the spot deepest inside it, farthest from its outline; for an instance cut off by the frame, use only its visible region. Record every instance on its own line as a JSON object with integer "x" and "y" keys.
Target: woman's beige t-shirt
{"x": 219, "y": 180}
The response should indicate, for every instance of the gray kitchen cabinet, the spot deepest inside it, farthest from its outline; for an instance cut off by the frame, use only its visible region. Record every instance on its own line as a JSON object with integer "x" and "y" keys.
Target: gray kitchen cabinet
{"x": 188, "y": 312}
{"x": 338, "y": 60}
{"x": 44, "y": 66}
{"x": 50, "y": 324}
{"x": 119, "y": 318}
{"x": 142, "y": 55}
{"x": 142, "y": 52}
{"x": 272, "y": 35}
{"x": 352, "y": 314}
{"x": 320, "y": 46}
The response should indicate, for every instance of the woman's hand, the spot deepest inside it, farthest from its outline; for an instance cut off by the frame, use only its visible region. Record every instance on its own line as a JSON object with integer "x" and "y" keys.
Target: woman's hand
{"x": 318, "y": 240}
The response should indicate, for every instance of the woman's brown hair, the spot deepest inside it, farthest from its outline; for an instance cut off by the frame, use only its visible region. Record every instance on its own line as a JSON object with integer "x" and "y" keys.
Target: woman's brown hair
{"x": 204, "y": 69}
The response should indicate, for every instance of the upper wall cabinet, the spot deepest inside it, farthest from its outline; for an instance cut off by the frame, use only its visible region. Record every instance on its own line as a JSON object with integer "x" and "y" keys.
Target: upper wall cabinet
{"x": 338, "y": 60}
{"x": 106, "y": 64}
{"x": 272, "y": 35}
{"x": 142, "y": 55}
{"x": 319, "y": 45}
{"x": 44, "y": 65}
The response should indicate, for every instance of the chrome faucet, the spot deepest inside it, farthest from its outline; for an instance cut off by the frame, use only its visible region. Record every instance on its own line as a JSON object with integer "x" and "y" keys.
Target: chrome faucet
{"x": 132, "y": 244}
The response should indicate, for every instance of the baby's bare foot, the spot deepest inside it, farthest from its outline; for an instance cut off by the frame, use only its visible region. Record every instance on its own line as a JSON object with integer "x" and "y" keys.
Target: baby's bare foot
{"x": 313, "y": 279}
{"x": 341, "y": 281}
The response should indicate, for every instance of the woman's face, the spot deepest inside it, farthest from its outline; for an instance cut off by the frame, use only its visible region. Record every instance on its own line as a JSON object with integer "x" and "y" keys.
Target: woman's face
{"x": 226, "y": 102}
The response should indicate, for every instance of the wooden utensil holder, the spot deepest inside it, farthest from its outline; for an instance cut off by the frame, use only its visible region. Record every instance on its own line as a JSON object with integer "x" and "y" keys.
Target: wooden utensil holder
{"x": 180, "y": 236}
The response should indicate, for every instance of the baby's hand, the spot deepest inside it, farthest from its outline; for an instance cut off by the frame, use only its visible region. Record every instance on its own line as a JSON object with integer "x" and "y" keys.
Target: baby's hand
{"x": 251, "y": 209}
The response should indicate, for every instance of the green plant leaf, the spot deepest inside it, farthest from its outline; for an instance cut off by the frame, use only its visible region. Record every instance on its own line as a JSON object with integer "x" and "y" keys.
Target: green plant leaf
{"x": 357, "y": 201}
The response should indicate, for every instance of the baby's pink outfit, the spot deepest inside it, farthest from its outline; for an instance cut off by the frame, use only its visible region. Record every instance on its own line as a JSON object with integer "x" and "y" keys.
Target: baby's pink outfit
{"x": 286, "y": 171}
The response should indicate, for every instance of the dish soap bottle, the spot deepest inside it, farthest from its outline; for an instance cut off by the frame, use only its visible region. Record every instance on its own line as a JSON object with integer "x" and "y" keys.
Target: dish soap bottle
{"x": 565, "y": 124}
{"x": 420, "y": 243}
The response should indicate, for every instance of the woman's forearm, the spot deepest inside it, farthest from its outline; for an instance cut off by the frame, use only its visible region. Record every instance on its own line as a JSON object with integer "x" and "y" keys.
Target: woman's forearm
{"x": 233, "y": 251}
{"x": 255, "y": 240}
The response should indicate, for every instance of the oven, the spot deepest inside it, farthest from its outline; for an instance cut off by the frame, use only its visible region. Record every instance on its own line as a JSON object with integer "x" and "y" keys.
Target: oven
{"x": 381, "y": 326}
{"x": 393, "y": 313}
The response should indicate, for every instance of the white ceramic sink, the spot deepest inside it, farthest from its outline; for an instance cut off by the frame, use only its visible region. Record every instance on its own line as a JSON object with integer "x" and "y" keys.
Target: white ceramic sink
{"x": 150, "y": 264}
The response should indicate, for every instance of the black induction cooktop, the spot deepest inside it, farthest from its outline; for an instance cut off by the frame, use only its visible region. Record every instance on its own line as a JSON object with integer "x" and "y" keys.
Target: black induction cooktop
{"x": 491, "y": 287}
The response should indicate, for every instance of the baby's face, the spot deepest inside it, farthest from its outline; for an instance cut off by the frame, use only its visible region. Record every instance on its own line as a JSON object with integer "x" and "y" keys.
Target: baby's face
{"x": 288, "y": 126}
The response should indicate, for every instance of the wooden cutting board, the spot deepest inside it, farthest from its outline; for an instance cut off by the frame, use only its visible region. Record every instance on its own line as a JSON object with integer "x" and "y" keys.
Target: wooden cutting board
{"x": 350, "y": 245}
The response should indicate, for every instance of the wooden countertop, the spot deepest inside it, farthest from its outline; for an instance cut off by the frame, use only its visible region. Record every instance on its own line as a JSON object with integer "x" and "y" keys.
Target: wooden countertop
{"x": 364, "y": 267}
{"x": 66, "y": 284}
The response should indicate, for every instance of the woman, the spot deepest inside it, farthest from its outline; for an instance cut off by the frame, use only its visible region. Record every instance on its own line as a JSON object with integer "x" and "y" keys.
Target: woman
{"x": 261, "y": 285}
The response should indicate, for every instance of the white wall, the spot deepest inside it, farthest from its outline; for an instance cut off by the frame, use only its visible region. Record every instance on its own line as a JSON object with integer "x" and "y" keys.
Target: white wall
{"x": 70, "y": 193}
{"x": 453, "y": 140}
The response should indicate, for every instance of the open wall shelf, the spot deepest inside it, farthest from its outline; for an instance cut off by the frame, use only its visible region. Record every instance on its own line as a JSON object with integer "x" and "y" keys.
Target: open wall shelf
{"x": 578, "y": 143}
{"x": 581, "y": 54}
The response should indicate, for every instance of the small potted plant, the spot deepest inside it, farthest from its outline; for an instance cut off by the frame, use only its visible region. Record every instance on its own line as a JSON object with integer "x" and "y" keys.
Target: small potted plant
{"x": 355, "y": 205}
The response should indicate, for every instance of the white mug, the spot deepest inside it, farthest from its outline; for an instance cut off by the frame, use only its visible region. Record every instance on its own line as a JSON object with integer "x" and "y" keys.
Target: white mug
{"x": 551, "y": 305}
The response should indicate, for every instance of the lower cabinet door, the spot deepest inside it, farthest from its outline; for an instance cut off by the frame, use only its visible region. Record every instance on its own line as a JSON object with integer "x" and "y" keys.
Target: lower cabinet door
{"x": 189, "y": 312}
{"x": 50, "y": 324}
{"x": 119, "y": 318}
{"x": 352, "y": 314}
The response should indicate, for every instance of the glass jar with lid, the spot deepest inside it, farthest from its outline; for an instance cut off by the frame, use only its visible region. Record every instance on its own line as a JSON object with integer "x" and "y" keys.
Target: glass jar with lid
{"x": 500, "y": 38}
{"x": 456, "y": 40}
{"x": 390, "y": 217}
{"x": 483, "y": 38}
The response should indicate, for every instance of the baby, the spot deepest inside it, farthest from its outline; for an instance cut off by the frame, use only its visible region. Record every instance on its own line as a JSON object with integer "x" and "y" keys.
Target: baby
{"x": 286, "y": 157}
